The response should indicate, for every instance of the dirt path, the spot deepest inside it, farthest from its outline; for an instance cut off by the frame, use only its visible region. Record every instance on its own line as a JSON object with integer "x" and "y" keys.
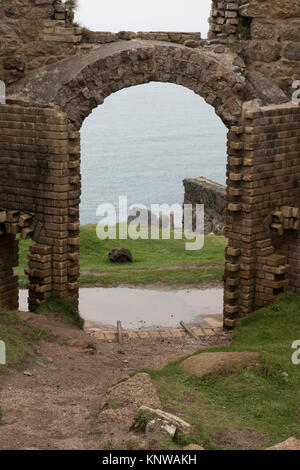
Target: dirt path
{"x": 56, "y": 406}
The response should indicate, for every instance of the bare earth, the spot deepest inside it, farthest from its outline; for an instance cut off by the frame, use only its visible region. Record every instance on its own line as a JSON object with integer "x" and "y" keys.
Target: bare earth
{"x": 56, "y": 407}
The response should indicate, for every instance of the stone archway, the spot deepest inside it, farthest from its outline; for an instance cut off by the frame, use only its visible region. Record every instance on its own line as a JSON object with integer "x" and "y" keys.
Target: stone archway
{"x": 79, "y": 84}
{"x": 48, "y": 114}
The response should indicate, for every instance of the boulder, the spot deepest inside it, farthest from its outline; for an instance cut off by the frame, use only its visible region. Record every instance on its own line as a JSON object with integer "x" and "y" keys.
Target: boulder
{"x": 206, "y": 364}
{"x": 120, "y": 255}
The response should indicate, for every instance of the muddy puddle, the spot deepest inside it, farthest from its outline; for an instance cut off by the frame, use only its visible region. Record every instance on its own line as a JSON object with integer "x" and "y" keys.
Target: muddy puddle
{"x": 147, "y": 308}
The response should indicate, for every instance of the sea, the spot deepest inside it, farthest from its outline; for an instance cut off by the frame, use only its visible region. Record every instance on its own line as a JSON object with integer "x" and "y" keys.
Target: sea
{"x": 142, "y": 142}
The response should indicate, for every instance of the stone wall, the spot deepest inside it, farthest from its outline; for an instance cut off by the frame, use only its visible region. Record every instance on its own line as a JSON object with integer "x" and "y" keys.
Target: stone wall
{"x": 9, "y": 291}
{"x": 213, "y": 195}
{"x": 263, "y": 178}
{"x": 34, "y": 33}
{"x": 36, "y": 192}
{"x": 265, "y": 32}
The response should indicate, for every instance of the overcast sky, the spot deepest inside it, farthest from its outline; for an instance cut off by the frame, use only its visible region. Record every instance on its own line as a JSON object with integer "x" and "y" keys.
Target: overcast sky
{"x": 145, "y": 15}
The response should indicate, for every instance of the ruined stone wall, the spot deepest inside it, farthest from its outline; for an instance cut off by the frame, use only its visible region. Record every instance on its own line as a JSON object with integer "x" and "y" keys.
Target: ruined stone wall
{"x": 36, "y": 179}
{"x": 40, "y": 195}
{"x": 33, "y": 33}
{"x": 213, "y": 195}
{"x": 263, "y": 177}
{"x": 8, "y": 281}
{"x": 265, "y": 32}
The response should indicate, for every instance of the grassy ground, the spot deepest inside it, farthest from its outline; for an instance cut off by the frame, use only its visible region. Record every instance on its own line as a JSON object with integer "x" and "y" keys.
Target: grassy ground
{"x": 152, "y": 259}
{"x": 261, "y": 404}
{"x": 20, "y": 339}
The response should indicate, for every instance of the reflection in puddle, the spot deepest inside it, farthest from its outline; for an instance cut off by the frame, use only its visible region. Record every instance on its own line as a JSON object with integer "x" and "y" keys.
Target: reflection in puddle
{"x": 146, "y": 308}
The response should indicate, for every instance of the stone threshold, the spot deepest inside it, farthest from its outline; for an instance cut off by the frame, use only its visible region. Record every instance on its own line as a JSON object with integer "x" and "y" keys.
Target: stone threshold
{"x": 172, "y": 333}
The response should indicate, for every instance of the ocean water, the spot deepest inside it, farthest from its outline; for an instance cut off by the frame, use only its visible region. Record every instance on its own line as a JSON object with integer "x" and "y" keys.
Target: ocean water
{"x": 143, "y": 141}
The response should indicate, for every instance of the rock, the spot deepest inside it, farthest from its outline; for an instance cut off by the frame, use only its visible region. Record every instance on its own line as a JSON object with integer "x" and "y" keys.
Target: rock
{"x": 291, "y": 32}
{"x": 133, "y": 393}
{"x": 290, "y": 444}
{"x": 262, "y": 51}
{"x": 268, "y": 92}
{"x": 262, "y": 30}
{"x": 219, "y": 49}
{"x": 28, "y": 374}
{"x": 191, "y": 43}
{"x": 206, "y": 364}
{"x": 292, "y": 51}
{"x": 193, "y": 447}
{"x": 160, "y": 426}
{"x": 120, "y": 255}
{"x": 127, "y": 35}
{"x": 158, "y": 421}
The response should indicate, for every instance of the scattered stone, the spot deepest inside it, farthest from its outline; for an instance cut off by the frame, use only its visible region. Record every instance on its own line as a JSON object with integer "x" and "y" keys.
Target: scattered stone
{"x": 262, "y": 51}
{"x": 120, "y": 255}
{"x": 158, "y": 421}
{"x": 206, "y": 364}
{"x": 292, "y": 51}
{"x": 290, "y": 444}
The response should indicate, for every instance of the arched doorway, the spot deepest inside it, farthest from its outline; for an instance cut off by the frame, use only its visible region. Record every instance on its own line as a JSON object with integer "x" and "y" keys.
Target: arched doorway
{"x": 65, "y": 93}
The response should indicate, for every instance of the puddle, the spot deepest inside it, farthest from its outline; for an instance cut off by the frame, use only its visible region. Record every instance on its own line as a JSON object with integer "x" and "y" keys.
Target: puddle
{"x": 147, "y": 308}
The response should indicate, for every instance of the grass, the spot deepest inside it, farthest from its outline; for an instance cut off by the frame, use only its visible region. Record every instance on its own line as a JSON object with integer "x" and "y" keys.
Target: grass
{"x": 20, "y": 339}
{"x": 151, "y": 258}
{"x": 263, "y": 401}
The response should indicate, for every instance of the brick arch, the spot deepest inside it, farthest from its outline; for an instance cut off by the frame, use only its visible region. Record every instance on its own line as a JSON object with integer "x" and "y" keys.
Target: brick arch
{"x": 79, "y": 84}
{"x": 204, "y": 75}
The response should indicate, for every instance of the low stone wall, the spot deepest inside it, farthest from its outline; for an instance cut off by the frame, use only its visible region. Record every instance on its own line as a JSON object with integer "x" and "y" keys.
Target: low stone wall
{"x": 213, "y": 195}
{"x": 101, "y": 37}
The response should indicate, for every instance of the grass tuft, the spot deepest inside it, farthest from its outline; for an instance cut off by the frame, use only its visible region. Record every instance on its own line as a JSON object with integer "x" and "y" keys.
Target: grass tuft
{"x": 62, "y": 307}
